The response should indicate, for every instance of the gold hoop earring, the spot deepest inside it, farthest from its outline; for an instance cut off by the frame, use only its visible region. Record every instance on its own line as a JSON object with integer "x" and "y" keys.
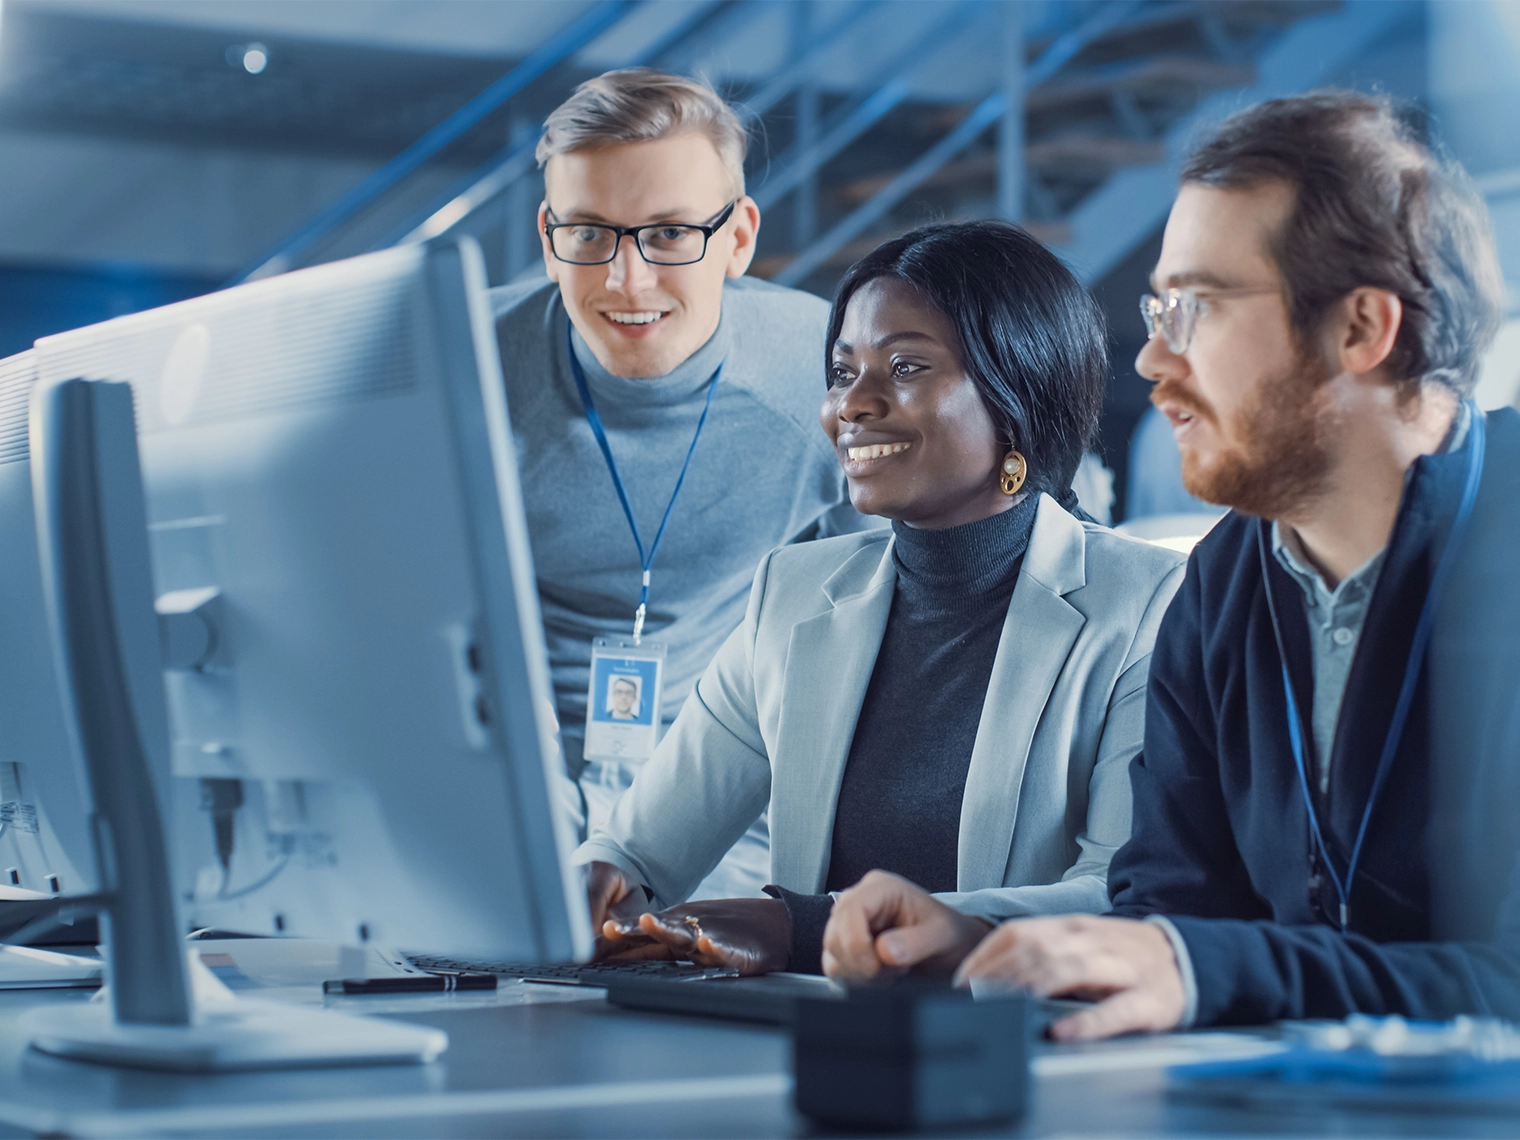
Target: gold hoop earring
{"x": 1011, "y": 478}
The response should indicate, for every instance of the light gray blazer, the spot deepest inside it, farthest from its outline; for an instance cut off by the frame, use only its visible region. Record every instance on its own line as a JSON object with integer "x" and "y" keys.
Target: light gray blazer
{"x": 1047, "y": 798}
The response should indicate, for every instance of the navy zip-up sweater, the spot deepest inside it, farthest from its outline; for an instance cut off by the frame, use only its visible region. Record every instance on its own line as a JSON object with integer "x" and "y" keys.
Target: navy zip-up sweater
{"x": 1221, "y": 841}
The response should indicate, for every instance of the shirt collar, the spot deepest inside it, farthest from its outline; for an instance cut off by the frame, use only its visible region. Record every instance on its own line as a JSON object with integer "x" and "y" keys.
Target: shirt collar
{"x": 687, "y": 381}
{"x": 1290, "y": 552}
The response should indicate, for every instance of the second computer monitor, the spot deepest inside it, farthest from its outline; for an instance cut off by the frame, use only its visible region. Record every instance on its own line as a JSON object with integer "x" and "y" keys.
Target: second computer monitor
{"x": 362, "y": 728}
{"x": 44, "y": 829}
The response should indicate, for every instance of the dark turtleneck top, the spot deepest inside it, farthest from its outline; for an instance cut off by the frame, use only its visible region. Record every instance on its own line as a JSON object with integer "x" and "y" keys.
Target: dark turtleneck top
{"x": 899, "y": 805}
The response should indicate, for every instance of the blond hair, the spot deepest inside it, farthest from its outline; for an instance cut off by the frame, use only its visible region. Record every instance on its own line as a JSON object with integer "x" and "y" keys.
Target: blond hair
{"x": 640, "y": 104}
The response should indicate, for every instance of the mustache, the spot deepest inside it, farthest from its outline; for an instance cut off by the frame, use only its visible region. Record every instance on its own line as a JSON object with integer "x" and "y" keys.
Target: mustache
{"x": 1172, "y": 392}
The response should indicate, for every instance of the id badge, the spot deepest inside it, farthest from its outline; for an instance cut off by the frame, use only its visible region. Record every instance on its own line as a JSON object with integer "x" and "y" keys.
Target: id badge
{"x": 623, "y": 705}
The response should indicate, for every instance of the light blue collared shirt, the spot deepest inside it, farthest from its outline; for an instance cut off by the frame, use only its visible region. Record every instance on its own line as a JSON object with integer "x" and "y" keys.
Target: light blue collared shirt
{"x": 1335, "y": 627}
{"x": 1336, "y": 617}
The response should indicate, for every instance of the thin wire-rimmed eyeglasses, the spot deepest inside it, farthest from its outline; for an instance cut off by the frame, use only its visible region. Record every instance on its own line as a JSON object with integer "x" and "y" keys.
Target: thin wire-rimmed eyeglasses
{"x": 1174, "y": 314}
{"x": 659, "y": 243}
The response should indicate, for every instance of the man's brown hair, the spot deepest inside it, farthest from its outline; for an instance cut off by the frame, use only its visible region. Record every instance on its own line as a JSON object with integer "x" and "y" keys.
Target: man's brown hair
{"x": 1375, "y": 206}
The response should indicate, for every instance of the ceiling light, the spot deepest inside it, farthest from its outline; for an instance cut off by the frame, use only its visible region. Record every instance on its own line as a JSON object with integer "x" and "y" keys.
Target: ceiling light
{"x": 252, "y": 58}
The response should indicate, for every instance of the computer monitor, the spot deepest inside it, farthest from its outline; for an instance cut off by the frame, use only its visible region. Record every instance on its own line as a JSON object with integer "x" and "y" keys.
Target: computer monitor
{"x": 44, "y": 826}
{"x": 361, "y": 728}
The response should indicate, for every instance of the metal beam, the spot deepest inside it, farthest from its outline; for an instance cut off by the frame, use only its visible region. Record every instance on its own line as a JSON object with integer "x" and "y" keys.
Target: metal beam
{"x": 1065, "y": 47}
{"x": 1130, "y": 206}
{"x": 982, "y": 116}
{"x": 481, "y": 186}
{"x": 785, "y": 81}
{"x": 1010, "y": 188}
{"x": 805, "y": 203}
{"x": 554, "y": 50}
{"x": 1499, "y": 183}
{"x": 845, "y": 128}
{"x": 717, "y": 24}
{"x": 460, "y": 207}
{"x": 1062, "y": 50}
{"x": 520, "y": 241}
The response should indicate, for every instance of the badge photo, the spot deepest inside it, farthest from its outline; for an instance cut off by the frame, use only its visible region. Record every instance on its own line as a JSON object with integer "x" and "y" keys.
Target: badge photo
{"x": 623, "y": 701}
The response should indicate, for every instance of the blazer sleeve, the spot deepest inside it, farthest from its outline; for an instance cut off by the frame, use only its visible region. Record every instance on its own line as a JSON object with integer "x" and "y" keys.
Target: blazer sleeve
{"x": 708, "y": 780}
{"x": 1249, "y": 973}
{"x": 1181, "y": 857}
{"x": 1083, "y": 888}
{"x": 1182, "y": 862}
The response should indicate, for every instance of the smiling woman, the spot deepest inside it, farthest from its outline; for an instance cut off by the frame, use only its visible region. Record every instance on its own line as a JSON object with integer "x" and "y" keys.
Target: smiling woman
{"x": 955, "y": 702}
{"x": 1033, "y": 353}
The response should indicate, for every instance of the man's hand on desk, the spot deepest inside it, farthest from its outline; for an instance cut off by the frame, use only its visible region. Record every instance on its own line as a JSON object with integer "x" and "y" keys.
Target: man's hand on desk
{"x": 753, "y": 936}
{"x": 885, "y": 925}
{"x": 1128, "y": 967}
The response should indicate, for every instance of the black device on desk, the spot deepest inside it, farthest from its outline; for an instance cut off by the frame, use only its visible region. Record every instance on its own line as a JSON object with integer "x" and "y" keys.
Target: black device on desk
{"x": 702, "y": 991}
{"x": 573, "y": 973}
{"x": 416, "y": 984}
{"x": 913, "y": 1054}
{"x": 770, "y": 999}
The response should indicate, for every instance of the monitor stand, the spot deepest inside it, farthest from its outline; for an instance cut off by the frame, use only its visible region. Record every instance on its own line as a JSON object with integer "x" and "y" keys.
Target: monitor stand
{"x": 93, "y": 537}
{"x": 247, "y": 1034}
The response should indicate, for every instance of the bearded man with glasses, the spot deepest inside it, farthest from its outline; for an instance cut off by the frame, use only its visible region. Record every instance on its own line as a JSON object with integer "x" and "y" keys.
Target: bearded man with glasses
{"x": 1324, "y": 806}
{"x": 664, "y": 408}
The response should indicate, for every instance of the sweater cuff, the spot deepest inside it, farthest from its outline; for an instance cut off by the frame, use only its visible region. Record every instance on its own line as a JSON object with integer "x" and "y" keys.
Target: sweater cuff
{"x": 1184, "y": 967}
{"x": 809, "y": 915}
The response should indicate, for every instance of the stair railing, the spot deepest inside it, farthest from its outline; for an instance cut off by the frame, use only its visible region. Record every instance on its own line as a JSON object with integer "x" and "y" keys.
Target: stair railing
{"x": 467, "y": 208}
{"x": 981, "y": 117}
{"x": 553, "y": 51}
{"x": 847, "y": 125}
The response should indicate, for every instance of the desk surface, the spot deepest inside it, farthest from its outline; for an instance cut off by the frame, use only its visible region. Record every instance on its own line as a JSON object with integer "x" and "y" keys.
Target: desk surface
{"x": 529, "y": 1062}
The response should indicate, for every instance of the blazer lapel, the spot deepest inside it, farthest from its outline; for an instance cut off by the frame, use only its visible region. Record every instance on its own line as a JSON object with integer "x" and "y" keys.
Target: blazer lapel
{"x": 828, "y": 668}
{"x": 1038, "y": 634}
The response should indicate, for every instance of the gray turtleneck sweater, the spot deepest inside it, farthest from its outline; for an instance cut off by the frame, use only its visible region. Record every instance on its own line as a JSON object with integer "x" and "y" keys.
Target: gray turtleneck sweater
{"x": 899, "y": 806}
{"x": 763, "y": 474}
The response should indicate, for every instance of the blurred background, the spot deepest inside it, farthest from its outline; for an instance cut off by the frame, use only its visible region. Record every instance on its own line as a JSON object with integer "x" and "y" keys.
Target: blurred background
{"x": 152, "y": 150}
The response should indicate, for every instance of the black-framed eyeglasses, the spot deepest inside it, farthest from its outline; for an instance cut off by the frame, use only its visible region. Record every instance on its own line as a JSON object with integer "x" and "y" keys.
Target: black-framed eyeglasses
{"x": 659, "y": 243}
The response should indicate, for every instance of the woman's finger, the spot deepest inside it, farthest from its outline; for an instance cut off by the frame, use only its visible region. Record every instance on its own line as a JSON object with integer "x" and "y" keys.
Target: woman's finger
{"x": 635, "y": 949}
{"x": 673, "y": 931}
{"x": 623, "y": 928}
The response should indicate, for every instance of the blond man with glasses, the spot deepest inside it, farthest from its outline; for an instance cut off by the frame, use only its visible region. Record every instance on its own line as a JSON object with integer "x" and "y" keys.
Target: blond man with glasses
{"x": 665, "y": 412}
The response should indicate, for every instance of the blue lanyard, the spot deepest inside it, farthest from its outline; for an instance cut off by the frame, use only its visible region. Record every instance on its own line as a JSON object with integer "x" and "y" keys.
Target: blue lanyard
{"x": 1422, "y": 632}
{"x": 646, "y": 559}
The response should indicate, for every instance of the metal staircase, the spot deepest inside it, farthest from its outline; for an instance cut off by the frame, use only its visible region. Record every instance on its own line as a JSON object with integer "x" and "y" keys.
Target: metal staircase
{"x": 1073, "y": 123}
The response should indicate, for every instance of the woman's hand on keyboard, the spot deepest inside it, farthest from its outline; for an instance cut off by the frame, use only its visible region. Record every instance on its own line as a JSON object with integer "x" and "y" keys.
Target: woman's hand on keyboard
{"x": 616, "y": 901}
{"x": 753, "y": 936}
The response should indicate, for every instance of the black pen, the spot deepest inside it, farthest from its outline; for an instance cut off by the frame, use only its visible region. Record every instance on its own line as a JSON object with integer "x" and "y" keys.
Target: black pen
{"x": 414, "y": 984}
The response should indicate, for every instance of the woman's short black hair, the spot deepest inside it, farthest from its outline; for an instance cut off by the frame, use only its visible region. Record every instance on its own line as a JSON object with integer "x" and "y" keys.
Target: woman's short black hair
{"x": 1032, "y": 339}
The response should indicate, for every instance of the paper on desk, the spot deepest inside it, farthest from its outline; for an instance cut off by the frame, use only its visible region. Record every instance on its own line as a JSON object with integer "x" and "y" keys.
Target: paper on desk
{"x": 221, "y": 969}
{"x": 9, "y": 893}
{"x": 1149, "y": 1051}
{"x": 277, "y": 963}
{"x": 28, "y": 967}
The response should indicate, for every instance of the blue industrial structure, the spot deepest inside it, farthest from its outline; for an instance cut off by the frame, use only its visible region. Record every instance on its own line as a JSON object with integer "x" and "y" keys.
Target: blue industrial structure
{"x": 870, "y": 116}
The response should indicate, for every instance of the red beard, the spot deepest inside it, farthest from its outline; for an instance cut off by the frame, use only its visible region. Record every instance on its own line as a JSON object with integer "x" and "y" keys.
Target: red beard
{"x": 1281, "y": 453}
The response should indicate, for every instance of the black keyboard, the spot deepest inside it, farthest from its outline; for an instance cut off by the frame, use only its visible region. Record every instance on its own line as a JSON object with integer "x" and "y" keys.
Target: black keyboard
{"x": 571, "y": 973}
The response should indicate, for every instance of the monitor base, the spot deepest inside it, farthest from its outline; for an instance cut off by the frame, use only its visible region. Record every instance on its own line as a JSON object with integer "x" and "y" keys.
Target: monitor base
{"x": 228, "y": 1038}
